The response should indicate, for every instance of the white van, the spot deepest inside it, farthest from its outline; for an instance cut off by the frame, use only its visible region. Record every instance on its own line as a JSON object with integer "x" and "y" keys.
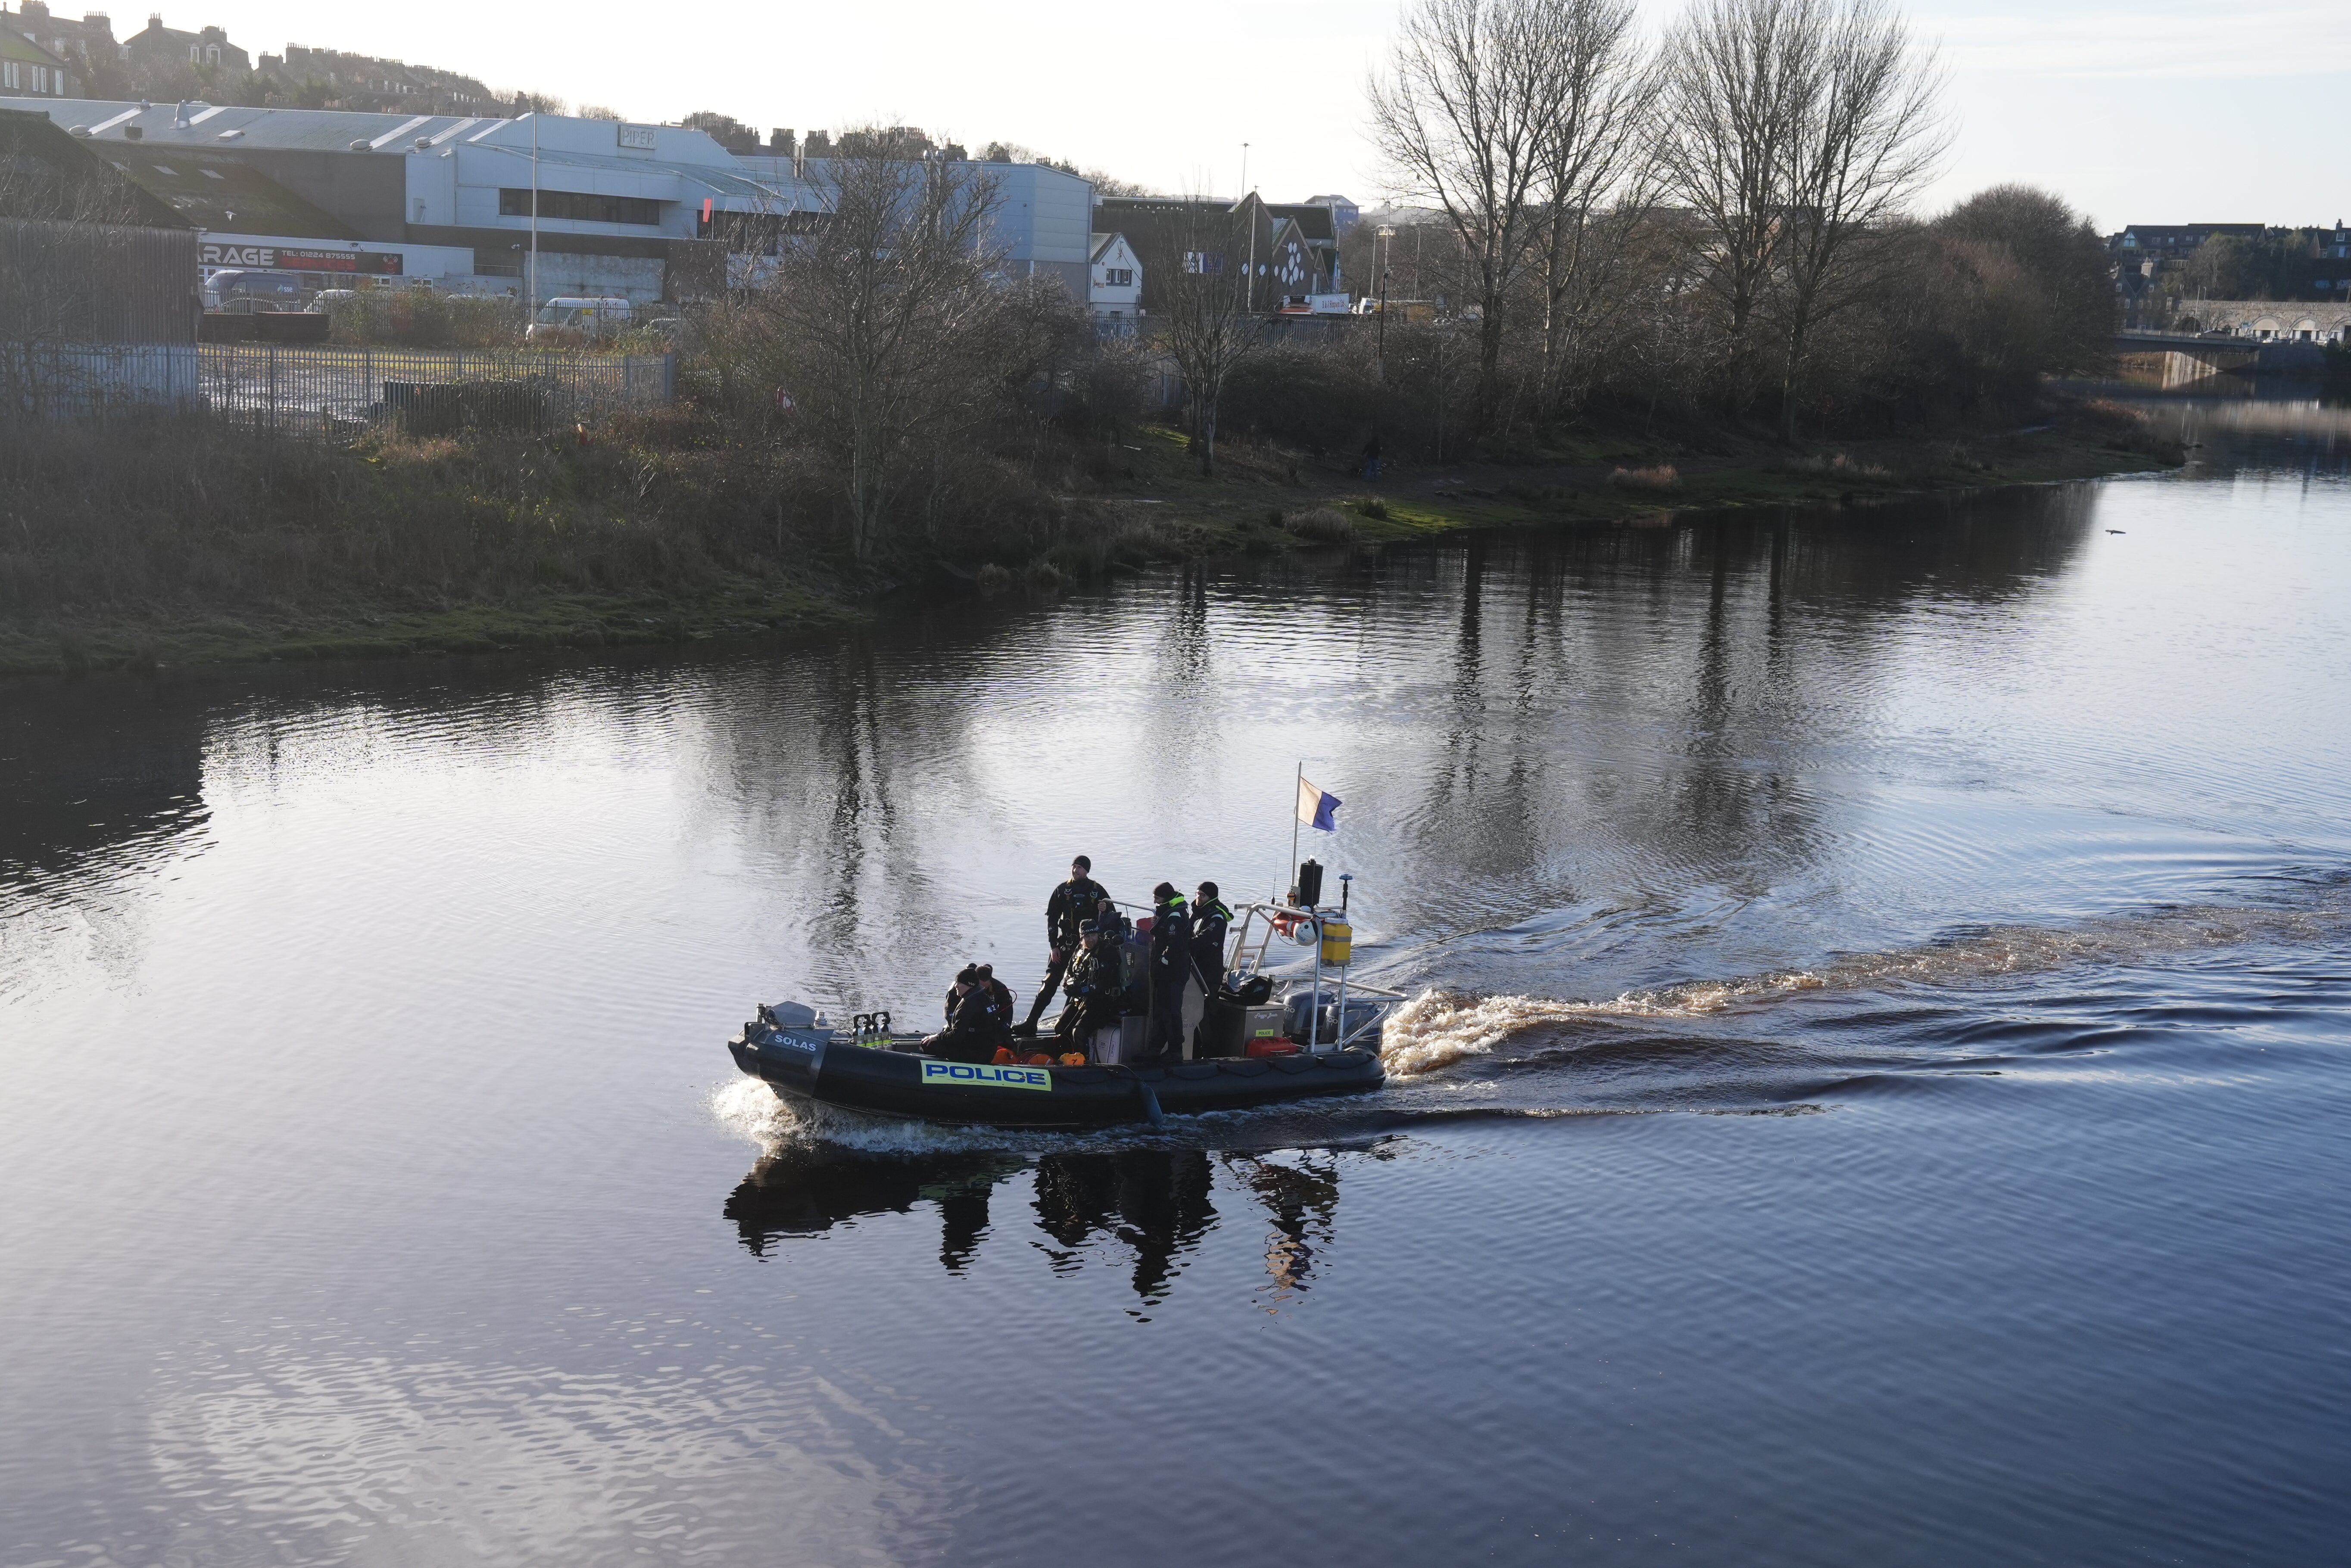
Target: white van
{"x": 573, "y": 318}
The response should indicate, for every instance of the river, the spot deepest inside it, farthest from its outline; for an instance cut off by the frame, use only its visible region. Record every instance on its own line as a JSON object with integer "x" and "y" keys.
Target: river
{"x": 1874, "y": 1093}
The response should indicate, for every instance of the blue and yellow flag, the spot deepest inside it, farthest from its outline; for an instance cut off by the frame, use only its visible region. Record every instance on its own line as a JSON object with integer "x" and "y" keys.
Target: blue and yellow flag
{"x": 1316, "y": 807}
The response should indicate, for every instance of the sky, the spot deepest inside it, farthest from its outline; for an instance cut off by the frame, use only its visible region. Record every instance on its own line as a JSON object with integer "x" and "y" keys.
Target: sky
{"x": 2163, "y": 111}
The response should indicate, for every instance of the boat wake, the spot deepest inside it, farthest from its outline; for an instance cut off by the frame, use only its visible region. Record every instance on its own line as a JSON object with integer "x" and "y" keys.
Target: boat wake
{"x": 1439, "y": 1029}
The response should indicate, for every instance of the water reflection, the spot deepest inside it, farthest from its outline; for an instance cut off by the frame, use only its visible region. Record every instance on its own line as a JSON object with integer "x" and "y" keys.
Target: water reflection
{"x": 1148, "y": 1209}
{"x": 86, "y": 774}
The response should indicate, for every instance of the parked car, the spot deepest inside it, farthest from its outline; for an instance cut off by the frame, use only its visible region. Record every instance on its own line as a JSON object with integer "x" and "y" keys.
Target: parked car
{"x": 265, "y": 290}
{"x": 576, "y": 320}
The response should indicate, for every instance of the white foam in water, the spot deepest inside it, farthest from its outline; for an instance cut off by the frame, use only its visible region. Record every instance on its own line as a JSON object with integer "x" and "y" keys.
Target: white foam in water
{"x": 1436, "y": 1029}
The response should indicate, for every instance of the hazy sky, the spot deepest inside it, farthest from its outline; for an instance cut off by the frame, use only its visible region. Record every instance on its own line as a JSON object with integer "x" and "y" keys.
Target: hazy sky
{"x": 2163, "y": 111}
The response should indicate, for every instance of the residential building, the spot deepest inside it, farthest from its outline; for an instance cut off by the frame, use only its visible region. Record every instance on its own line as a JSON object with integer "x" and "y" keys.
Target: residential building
{"x": 27, "y": 68}
{"x": 1115, "y": 294}
{"x": 80, "y": 44}
{"x": 1286, "y": 253}
{"x": 159, "y": 45}
{"x": 2162, "y": 243}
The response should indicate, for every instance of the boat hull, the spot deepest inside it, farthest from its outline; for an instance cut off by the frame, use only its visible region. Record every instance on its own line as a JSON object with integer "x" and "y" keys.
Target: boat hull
{"x": 836, "y": 1072}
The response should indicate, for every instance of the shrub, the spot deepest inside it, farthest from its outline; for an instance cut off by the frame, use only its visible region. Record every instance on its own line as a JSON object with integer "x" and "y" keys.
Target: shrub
{"x": 1662, "y": 478}
{"x": 1839, "y": 466}
{"x": 1324, "y": 525}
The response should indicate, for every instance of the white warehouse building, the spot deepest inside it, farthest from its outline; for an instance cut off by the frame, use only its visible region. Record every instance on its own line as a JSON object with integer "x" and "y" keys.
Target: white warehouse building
{"x": 638, "y": 211}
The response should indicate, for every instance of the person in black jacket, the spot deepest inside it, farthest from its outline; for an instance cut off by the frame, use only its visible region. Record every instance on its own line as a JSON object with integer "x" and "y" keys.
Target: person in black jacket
{"x": 1071, "y": 901}
{"x": 1170, "y": 961}
{"x": 1096, "y": 988}
{"x": 974, "y": 1031}
{"x": 1210, "y": 922}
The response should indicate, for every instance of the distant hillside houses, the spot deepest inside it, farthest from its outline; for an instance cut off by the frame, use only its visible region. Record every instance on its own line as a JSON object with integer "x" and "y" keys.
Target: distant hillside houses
{"x": 2162, "y": 271}
{"x": 207, "y": 47}
{"x": 335, "y": 79}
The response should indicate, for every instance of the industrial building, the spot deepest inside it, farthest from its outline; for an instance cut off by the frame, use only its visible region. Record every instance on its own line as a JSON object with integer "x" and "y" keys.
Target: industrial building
{"x": 650, "y": 212}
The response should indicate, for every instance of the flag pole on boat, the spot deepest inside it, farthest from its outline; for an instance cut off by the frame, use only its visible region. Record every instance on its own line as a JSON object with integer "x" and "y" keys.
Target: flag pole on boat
{"x": 1295, "y": 819}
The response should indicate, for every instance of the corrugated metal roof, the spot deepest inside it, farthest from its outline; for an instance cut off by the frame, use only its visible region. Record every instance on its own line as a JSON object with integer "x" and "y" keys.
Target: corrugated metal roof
{"x": 293, "y": 130}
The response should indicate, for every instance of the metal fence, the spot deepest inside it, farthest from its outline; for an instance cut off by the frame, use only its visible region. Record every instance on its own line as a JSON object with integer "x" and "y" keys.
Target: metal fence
{"x": 297, "y": 389}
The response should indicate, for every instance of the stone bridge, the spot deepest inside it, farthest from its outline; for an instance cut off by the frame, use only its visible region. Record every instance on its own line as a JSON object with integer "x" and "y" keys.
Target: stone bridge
{"x": 2183, "y": 357}
{"x": 2267, "y": 321}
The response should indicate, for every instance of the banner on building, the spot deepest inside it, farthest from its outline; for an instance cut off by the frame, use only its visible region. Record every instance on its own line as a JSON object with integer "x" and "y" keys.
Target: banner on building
{"x": 285, "y": 258}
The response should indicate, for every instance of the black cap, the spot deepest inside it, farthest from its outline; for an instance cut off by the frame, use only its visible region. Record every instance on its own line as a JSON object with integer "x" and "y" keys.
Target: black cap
{"x": 1207, "y": 889}
{"x": 1080, "y": 860}
{"x": 968, "y": 975}
{"x": 1089, "y": 928}
{"x": 1164, "y": 890}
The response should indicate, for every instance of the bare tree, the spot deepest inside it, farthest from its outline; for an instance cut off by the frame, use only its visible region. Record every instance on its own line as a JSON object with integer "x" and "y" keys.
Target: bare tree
{"x": 1202, "y": 319}
{"x": 1738, "y": 73}
{"x": 1798, "y": 127}
{"x": 1597, "y": 178}
{"x": 1462, "y": 117}
{"x": 1869, "y": 136}
{"x": 873, "y": 316}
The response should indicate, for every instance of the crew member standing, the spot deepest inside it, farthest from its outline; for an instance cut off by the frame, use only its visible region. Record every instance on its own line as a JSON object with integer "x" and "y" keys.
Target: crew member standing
{"x": 1073, "y": 901}
{"x": 1210, "y": 922}
{"x": 1170, "y": 963}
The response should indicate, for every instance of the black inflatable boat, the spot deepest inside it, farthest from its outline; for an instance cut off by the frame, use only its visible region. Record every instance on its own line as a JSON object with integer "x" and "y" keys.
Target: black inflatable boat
{"x": 839, "y": 1068}
{"x": 1261, "y": 1041}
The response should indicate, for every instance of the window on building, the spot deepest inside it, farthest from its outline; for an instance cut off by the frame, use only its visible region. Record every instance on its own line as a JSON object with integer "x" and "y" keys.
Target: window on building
{"x": 1118, "y": 278}
{"x": 8, "y": 75}
{"x": 579, "y": 207}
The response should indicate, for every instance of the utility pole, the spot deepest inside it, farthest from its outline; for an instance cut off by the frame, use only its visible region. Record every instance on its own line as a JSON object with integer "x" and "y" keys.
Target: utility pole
{"x": 533, "y": 313}
{"x": 1383, "y": 238}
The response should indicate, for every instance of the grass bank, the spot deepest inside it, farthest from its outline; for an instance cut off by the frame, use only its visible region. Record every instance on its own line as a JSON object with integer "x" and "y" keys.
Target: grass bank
{"x": 172, "y": 541}
{"x": 1266, "y": 499}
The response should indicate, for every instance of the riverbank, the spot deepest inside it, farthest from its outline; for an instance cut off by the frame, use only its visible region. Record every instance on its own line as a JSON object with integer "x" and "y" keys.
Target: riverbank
{"x": 1266, "y": 499}
{"x": 153, "y": 553}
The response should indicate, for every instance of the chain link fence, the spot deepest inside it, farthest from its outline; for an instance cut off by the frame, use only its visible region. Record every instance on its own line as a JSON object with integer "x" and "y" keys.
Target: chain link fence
{"x": 294, "y": 390}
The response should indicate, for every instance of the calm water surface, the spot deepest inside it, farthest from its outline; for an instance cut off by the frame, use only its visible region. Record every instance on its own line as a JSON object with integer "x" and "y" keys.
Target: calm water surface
{"x": 1875, "y": 1092}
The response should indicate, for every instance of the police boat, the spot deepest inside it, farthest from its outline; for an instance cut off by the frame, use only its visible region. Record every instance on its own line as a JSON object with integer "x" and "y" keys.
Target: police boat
{"x": 1261, "y": 1040}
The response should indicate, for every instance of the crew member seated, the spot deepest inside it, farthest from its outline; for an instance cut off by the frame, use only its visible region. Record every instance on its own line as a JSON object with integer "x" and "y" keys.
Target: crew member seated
{"x": 976, "y": 1028}
{"x": 1096, "y": 988}
{"x": 1116, "y": 928}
